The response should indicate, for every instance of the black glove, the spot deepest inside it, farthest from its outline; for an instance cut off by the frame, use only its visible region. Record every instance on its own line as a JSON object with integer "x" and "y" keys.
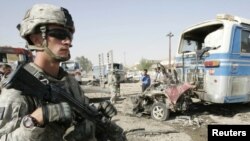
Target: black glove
{"x": 107, "y": 109}
{"x": 84, "y": 130}
{"x": 56, "y": 112}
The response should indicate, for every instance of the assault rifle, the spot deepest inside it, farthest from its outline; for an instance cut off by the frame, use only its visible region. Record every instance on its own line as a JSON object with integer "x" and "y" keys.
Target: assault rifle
{"x": 23, "y": 80}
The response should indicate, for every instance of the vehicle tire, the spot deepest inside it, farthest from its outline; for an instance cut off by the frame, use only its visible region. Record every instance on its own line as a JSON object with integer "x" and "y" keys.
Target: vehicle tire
{"x": 159, "y": 111}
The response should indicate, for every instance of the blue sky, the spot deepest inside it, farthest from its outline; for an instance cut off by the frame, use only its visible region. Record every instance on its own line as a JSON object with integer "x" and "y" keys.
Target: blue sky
{"x": 133, "y": 29}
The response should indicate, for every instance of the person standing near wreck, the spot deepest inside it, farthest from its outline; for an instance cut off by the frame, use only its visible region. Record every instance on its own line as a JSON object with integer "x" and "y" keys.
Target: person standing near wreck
{"x": 48, "y": 30}
{"x": 145, "y": 80}
{"x": 114, "y": 85}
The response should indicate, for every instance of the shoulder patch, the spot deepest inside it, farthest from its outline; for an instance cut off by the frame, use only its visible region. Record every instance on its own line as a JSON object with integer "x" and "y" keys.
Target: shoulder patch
{"x": 1, "y": 112}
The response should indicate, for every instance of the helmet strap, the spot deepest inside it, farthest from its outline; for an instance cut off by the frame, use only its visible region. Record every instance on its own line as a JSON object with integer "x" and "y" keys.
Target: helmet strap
{"x": 50, "y": 53}
{"x": 44, "y": 44}
{"x": 46, "y": 48}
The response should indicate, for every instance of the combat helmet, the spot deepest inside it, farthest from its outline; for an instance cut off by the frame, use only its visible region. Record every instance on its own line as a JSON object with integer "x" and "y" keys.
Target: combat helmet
{"x": 40, "y": 15}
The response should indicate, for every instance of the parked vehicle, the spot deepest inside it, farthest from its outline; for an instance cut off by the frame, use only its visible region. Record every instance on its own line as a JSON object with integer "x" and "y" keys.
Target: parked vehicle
{"x": 14, "y": 55}
{"x": 101, "y": 72}
{"x": 133, "y": 76}
{"x": 70, "y": 66}
{"x": 73, "y": 68}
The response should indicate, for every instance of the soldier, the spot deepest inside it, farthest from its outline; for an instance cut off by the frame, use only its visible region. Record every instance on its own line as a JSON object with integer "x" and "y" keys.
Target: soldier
{"x": 114, "y": 85}
{"x": 48, "y": 30}
{"x": 5, "y": 70}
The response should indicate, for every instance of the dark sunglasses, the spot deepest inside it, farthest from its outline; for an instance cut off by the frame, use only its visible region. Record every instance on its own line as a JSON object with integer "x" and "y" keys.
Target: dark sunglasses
{"x": 60, "y": 34}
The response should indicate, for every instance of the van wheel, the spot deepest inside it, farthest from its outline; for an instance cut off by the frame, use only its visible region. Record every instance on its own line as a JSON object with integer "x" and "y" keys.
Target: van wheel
{"x": 159, "y": 111}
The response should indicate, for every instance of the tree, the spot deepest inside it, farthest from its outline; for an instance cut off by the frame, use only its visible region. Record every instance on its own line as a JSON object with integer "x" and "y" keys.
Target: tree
{"x": 85, "y": 64}
{"x": 144, "y": 64}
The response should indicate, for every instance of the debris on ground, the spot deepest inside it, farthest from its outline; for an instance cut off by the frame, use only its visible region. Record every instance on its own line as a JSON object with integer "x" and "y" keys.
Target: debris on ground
{"x": 143, "y": 132}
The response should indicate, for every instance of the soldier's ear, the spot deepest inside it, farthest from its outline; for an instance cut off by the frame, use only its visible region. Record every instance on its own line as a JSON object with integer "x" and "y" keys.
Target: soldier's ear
{"x": 36, "y": 39}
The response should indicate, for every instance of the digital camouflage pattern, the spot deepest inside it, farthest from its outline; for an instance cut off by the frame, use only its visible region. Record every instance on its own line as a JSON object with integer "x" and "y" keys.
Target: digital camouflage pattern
{"x": 14, "y": 106}
{"x": 114, "y": 85}
{"x": 41, "y": 14}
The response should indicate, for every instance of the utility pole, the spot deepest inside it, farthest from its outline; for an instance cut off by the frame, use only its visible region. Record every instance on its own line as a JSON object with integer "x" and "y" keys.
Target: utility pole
{"x": 100, "y": 68}
{"x": 110, "y": 60}
{"x": 124, "y": 53}
{"x": 100, "y": 64}
{"x": 170, "y": 35}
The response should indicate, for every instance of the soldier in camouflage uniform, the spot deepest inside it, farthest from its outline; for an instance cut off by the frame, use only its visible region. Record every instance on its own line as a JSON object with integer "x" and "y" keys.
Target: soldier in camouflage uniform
{"x": 48, "y": 30}
{"x": 114, "y": 85}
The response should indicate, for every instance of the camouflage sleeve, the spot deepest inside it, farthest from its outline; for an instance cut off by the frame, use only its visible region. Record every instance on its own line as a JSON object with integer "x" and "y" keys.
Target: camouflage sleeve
{"x": 112, "y": 80}
{"x": 13, "y": 107}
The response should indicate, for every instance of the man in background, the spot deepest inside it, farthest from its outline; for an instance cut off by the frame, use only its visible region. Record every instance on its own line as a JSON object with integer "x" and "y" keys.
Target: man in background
{"x": 5, "y": 70}
{"x": 114, "y": 85}
{"x": 145, "y": 80}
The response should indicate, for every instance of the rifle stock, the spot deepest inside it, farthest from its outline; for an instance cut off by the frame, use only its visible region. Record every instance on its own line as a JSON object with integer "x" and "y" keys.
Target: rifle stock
{"x": 23, "y": 80}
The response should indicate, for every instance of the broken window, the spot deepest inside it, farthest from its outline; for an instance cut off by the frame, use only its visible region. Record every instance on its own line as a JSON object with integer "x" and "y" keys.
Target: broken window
{"x": 245, "y": 41}
{"x": 200, "y": 38}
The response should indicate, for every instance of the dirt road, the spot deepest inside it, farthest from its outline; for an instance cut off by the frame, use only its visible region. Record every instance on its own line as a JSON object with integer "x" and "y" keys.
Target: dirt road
{"x": 190, "y": 126}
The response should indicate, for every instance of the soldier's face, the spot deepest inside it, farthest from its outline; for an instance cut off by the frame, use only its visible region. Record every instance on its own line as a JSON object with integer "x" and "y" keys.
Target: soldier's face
{"x": 59, "y": 40}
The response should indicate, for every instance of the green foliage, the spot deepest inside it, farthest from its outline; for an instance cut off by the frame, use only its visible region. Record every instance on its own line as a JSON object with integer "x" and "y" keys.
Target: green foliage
{"x": 144, "y": 64}
{"x": 85, "y": 64}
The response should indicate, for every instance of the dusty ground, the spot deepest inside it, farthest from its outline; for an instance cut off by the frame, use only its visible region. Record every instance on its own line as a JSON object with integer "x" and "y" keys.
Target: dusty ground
{"x": 190, "y": 126}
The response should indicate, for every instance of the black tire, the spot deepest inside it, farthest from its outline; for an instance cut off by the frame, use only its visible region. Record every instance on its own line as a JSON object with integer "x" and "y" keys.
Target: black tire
{"x": 159, "y": 111}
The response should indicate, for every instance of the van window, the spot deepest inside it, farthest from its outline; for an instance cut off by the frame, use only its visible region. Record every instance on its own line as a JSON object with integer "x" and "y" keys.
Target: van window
{"x": 245, "y": 41}
{"x": 197, "y": 39}
{"x": 70, "y": 66}
{"x": 214, "y": 39}
{"x": 7, "y": 58}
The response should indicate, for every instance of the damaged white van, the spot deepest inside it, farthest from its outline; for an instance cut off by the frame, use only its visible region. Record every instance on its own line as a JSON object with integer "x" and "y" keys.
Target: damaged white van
{"x": 215, "y": 57}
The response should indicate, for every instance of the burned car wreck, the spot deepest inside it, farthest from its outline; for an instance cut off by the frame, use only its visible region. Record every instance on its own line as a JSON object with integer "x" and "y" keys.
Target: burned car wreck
{"x": 161, "y": 98}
